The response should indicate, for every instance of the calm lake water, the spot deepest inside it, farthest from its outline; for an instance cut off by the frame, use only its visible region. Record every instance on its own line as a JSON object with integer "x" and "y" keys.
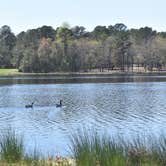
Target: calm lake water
{"x": 125, "y": 105}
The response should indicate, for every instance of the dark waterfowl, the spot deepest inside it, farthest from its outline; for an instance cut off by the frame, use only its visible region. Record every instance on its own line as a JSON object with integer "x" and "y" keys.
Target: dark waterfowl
{"x": 29, "y": 105}
{"x": 60, "y": 104}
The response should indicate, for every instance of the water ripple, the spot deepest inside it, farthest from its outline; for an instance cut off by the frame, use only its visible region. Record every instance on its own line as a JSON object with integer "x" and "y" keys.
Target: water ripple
{"x": 125, "y": 108}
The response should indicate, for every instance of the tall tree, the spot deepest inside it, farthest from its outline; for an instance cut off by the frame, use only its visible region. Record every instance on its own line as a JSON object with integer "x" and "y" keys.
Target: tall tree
{"x": 64, "y": 36}
{"x": 78, "y": 32}
{"x": 7, "y": 42}
{"x": 44, "y": 55}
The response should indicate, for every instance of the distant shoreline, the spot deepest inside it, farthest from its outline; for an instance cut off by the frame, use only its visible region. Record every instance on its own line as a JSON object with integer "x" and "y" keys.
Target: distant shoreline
{"x": 15, "y": 72}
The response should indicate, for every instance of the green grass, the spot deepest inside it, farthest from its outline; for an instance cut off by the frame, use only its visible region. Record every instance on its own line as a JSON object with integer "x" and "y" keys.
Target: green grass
{"x": 4, "y": 72}
{"x": 12, "y": 153}
{"x": 88, "y": 149}
{"x": 93, "y": 150}
{"x": 11, "y": 147}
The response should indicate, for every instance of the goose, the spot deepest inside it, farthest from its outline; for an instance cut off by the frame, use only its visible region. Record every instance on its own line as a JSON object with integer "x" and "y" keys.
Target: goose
{"x": 29, "y": 105}
{"x": 60, "y": 104}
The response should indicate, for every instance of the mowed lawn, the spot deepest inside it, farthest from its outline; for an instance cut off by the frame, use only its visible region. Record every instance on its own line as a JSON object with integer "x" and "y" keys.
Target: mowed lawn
{"x": 4, "y": 72}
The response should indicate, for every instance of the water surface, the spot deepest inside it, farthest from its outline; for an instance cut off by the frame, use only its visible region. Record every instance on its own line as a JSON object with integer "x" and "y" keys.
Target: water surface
{"x": 126, "y": 105}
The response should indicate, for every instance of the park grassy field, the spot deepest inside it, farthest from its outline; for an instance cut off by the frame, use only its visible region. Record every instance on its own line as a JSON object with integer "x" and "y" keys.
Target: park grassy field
{"x": 15, "y": 72}
{"x": 6, "y": 72}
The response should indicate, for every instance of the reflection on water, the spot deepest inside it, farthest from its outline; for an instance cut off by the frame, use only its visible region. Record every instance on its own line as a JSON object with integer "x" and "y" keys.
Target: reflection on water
{"x": 81, "y": 79}
{"x": 126, "y": 108}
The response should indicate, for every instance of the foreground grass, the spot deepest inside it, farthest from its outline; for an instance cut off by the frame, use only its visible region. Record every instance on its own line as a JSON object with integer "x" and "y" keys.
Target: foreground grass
{"x": 12, "y": 148}
{"x": 12, "y": 153}
{"x": 92, "y": 150}
{"x": 88, "y": 150}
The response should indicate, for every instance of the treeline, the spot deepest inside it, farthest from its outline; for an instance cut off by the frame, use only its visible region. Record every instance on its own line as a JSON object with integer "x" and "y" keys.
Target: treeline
{"x": 74, "y": 49}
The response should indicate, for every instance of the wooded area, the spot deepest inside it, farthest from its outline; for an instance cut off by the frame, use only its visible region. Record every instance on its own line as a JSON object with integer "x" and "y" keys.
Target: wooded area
{"x": 75, "y": 49}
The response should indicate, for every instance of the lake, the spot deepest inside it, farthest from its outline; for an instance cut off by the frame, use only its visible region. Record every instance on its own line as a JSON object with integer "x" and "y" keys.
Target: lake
{"x": 126, "y": 105}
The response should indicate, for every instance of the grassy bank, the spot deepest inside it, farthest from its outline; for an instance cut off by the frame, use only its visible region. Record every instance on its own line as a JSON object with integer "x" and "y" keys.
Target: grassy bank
{"x": 88, "y": 150}
{"x": 15, "y": 72}
{"x": 6, "y": 72}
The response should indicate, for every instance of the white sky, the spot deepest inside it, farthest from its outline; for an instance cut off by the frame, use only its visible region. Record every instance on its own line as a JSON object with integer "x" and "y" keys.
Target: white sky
{"x": 21, "y": 15}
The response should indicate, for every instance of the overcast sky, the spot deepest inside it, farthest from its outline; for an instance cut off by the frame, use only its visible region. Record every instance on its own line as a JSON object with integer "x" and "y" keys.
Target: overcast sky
{"x": 21, "y": 15}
